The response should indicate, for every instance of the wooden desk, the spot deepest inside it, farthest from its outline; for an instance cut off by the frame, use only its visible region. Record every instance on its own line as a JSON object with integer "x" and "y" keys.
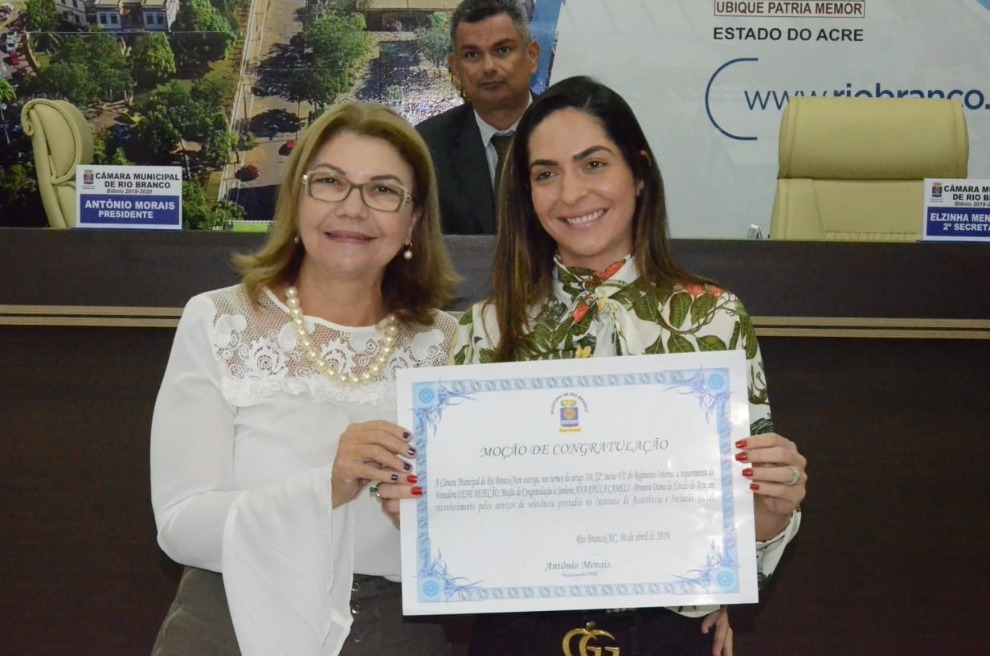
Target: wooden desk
{"x": 877, "y": 357}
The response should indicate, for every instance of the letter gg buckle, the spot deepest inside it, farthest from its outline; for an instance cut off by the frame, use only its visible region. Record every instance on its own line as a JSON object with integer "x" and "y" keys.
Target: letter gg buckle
{"x": 586, "y": 637}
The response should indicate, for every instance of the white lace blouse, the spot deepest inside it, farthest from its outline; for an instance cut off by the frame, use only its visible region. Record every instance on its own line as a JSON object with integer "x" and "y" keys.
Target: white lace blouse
{"x": 242, "y": 441}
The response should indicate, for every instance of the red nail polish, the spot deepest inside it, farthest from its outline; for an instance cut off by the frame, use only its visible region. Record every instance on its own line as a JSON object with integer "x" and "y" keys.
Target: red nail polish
{"x": 754, "y": 486}
{"x": 417, "y": 491}
{"x": 748, "y": 472}
{"x": 741, "y": 444}
{"x": 742, "y": 457}
{"x": 412, "y": 478}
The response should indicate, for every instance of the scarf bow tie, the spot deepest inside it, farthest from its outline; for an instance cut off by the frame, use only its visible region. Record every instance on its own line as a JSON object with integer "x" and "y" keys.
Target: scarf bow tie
{"x": 591, "y": 297}
{"x": 599, "y": 324}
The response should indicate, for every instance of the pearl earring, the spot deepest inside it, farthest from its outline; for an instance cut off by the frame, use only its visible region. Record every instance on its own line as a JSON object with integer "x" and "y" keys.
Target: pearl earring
{"x": 408, "y": 254}
{"x": 296, "y": 240}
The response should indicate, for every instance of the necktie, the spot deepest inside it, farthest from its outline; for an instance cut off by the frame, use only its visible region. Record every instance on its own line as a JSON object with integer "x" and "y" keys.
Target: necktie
{"x": 501, "y": 143}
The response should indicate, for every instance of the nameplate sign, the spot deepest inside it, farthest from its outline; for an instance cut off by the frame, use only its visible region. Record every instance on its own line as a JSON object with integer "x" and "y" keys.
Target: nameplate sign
{"x": 957, "y": 209}
{"x": 144, "y": 197}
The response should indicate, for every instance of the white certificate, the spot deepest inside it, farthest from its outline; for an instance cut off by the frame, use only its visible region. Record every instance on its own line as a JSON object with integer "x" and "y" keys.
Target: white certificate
{"x": 574, "y": 484}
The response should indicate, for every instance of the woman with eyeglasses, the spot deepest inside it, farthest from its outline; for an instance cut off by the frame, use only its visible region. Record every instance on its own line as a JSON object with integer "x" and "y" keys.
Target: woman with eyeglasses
{"x": 275, "y": 419}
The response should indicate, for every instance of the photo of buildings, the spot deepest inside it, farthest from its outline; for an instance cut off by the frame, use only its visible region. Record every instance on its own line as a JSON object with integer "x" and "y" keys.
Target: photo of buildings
{"x": 221, "y": 88}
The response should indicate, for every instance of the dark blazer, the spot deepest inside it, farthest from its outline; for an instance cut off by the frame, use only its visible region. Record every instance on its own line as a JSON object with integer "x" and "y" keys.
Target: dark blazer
{"x": 467, "y": 203}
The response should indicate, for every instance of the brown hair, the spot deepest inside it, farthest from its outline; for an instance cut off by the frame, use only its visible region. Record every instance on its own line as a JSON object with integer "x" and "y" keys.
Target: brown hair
{"x": 523, "y": 267}
{"x": 410, "y": 288}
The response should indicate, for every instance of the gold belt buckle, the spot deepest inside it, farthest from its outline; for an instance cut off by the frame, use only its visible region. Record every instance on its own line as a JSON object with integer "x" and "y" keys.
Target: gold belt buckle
{"x": 589, "y": 634}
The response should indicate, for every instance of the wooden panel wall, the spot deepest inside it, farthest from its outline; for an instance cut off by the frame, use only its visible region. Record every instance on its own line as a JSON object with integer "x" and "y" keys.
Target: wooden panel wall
{"x": 890, "y": 560}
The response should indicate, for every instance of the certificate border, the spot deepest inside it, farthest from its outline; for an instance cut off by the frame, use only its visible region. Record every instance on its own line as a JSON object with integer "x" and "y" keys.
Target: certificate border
{"x": 717, "y": 575}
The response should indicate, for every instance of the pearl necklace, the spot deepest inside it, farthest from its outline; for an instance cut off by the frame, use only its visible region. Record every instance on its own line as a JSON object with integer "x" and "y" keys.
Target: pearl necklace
{"x": 324, "y": 367}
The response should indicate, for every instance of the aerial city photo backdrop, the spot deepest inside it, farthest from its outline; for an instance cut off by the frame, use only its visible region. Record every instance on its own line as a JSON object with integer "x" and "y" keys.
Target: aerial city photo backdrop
{"x": 222, "y": 88}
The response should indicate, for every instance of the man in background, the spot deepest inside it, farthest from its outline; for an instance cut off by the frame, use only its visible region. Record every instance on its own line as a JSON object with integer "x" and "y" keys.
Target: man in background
{"x": 493, "y": 59}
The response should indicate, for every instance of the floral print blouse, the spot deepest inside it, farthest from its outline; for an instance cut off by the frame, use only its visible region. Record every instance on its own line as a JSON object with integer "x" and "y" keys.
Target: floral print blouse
{"x": 614, "y": 312}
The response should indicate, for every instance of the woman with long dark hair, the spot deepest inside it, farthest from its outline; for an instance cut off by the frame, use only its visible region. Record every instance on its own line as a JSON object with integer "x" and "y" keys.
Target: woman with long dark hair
{"x": 584, "y": 268}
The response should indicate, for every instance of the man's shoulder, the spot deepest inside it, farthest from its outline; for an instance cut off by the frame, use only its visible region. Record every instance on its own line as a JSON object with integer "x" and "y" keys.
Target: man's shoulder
{"x": 442, "y": 123}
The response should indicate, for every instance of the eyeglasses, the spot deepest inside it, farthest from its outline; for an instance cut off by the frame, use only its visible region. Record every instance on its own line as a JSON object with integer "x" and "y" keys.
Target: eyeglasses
{"x": 384, "y": 196}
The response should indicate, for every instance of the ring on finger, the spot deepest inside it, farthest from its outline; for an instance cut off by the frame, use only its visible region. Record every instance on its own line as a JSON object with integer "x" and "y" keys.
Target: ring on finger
{"x": 795, "y": 476}
{"x": 373, "y": 491}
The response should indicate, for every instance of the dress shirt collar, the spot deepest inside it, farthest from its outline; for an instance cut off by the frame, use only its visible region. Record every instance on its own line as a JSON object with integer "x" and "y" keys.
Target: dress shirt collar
{"x": 487, "y": 131}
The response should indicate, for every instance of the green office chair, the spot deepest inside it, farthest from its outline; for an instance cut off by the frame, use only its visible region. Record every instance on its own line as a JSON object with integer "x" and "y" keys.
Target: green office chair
{"x": 62, "y": 140}
{"x": 853, "y": 169}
